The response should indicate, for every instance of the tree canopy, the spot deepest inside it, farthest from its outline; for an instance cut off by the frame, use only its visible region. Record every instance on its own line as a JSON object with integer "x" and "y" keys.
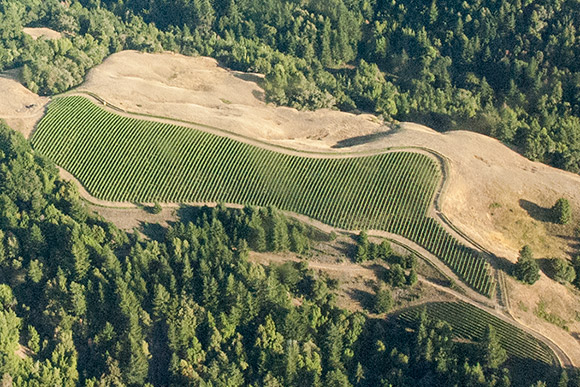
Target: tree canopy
{"x": 527, "y": 269}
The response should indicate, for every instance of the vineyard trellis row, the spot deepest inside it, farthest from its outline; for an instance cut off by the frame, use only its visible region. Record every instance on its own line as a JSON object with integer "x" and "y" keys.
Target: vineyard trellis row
{"x": 469, "y": 322}
{"x": 119, "y": 158}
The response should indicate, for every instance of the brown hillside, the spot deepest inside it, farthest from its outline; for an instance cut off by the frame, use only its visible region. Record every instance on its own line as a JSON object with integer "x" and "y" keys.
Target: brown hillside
{"x": 19, "y": 107}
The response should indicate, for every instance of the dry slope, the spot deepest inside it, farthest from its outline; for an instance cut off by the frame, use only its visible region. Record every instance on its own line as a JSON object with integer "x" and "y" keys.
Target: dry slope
{"x": 19, "y": 107}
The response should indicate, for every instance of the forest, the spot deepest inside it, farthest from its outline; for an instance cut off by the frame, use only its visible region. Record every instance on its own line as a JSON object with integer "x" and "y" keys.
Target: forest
{"x": 505, "y": 68}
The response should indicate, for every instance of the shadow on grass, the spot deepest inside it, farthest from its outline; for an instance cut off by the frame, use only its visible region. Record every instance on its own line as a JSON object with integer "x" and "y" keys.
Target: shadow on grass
{"x": 364, "y": 298}
{"x": 346, "y": 248}
{"x": 153, "y": 231}
{"x": 541, "y": 214}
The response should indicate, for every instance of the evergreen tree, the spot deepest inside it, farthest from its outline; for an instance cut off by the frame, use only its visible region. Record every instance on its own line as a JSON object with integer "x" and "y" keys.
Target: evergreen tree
{"x": 561, "y": 211}
{"x": 298, "y": 242}
{"x": 257, "y": 234}
{"x": 526, "y": 268}
{"x": 564, "y": 380}
{"x": 81, "y": 263}
{"x": 362, "y": 251}
{"x": 492, "y": 353}
{"x": 396, "y": 276}
{"x": 383, "y": 301}
{"x": 412, "y": 277}
{"x": 561, "y": 270}
{"x": 2, "y": 251}
{"x": 384, "y": 250}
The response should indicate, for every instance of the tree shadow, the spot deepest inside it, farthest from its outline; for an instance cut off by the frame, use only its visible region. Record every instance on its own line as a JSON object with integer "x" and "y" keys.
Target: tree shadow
{"x": 187, "y": 214}
{"x": 153, "y": 231}
{"x": 364, "y": 298}
{"x": 439, "y": 121}
{"x": 538, "y": 213}
{"x": 380, "y": 271}
{"x": 526, "y": 371}
{"x": 545, "y": 267}
{"x": 345, "y": 248}
{"x": 259, "y": 95}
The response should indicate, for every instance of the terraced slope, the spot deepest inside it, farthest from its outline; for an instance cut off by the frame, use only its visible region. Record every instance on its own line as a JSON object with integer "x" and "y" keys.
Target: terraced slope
{"x": 469, "y": 322}
{"x": 118, "y": 158}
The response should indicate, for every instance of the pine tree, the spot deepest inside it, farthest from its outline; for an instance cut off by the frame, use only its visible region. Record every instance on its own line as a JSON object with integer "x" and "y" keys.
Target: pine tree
{"x": 210, "y": 292}
{"x": 383, "y": 301}
{"x": 362, "y": 250}
{"x": 412, "y": 278}
{"x": 492, "y": 353}
{"x": 561, "y": 211}
{"x": 325, "y": 54}
{"x": 64, "y": 357}
{"x": 35, "y": 273}
{"x": 2, "y": 252}
{"x": 161, "y": 299}
{"x": 256, "y": 234}
{"x": 527, "y": 269}
{"x": 81, "y": 263}
{"x": 278, "y": 240}
{"x": 384, "y": 250}
{"x": 33, "y": 341}
{"x": 396, "y": 276}
{"x": 564, "y": 379}
{"x": 298, "y": 242}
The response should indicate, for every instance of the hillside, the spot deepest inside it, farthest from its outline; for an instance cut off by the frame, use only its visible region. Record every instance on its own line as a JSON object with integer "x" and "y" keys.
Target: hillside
{"x": 493, "y": 194}
{"x": 21, "y": 108}
{"x": 483, "y": 171}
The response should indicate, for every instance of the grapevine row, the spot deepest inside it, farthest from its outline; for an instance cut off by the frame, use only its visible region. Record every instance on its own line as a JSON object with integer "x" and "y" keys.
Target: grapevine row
{"x": 118, "y": 158}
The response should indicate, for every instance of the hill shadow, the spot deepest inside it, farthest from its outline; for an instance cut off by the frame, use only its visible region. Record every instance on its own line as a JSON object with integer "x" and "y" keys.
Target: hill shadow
{"x": 541, "y": 214}
{"x": 359, "y": 140}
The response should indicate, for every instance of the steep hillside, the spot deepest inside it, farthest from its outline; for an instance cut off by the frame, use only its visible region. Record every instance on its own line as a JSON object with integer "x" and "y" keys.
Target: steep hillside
{"x": 19, "y": 107}
{"x": 497, "y": 197}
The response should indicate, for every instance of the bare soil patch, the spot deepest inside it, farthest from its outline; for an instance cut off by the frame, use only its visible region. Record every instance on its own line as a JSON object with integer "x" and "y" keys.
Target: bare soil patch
{"x": 559, "y": 300}
{"x": 198, "y": 89}
{"x": 41, "y": 32}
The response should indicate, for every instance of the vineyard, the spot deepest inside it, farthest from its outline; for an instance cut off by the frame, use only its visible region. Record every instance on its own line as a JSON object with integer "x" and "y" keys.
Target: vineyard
{"x": 118, "y": 158}
{"x": 469, "y": 322}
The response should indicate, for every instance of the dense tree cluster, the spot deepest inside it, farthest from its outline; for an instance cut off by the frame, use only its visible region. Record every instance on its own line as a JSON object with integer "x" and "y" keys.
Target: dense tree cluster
{"x": 507, "y": 68}
{"x": 561, "y": 270}
{"x": 83, "y": 303}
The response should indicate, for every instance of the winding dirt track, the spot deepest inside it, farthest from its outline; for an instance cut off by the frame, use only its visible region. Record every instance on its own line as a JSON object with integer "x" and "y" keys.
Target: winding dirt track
{"x": 351, "y": 268}
{"x": 498, "y": 307}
